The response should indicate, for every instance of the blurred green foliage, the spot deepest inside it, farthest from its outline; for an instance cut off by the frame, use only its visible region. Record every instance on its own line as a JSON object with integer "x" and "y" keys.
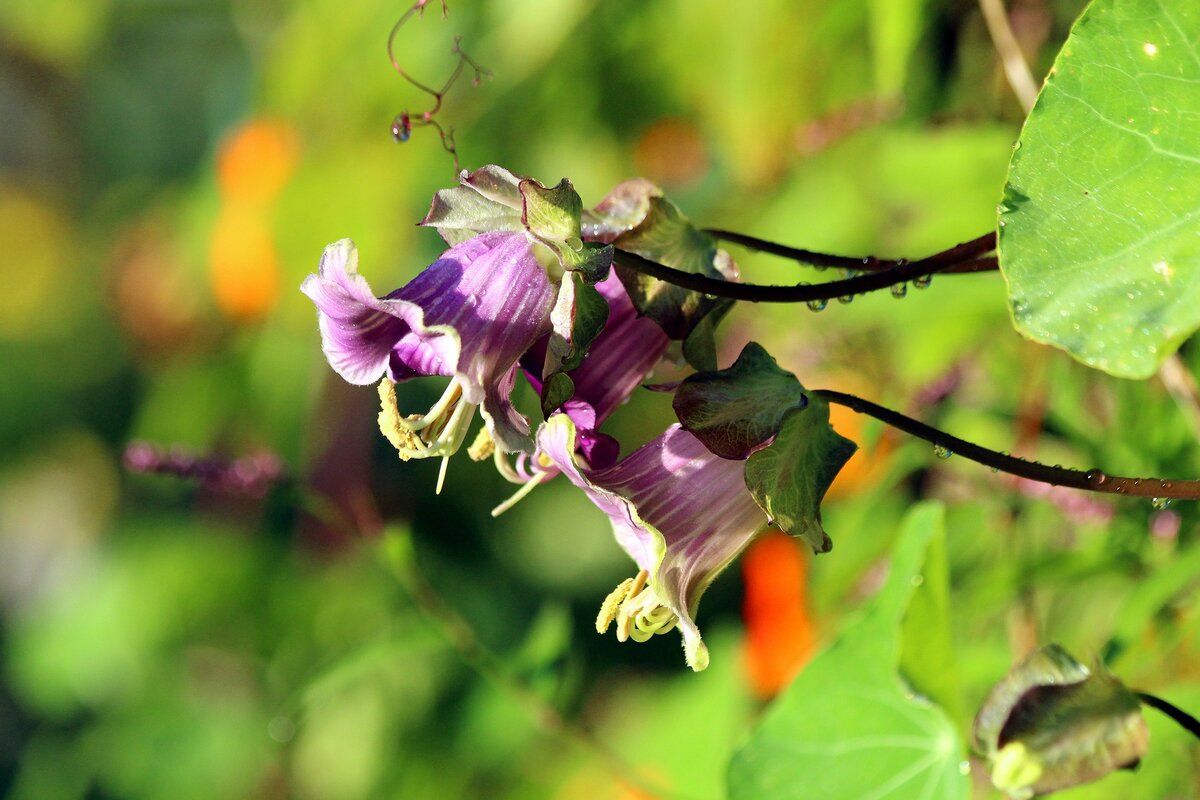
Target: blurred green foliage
{"x": 164, "y": 640}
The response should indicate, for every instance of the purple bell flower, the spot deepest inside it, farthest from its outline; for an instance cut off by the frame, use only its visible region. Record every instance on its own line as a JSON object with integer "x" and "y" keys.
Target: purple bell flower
{"x": 680, "y": 512}
{"x": 469, "y": 316}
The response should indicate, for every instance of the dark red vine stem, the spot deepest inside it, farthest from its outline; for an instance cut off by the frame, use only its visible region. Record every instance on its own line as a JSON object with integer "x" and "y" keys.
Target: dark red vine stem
{"x": 971, "y": 252}
{"x": 1093, "y": 480}
{"x": 864, "y": 264}
{"x": 1178, "y": 715}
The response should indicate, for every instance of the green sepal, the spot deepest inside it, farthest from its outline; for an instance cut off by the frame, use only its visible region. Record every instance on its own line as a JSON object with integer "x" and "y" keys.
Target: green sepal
{"x": 487, "y": 199}
{"x": 592, "y": 260}
{"x": 591, "y": 314}
{"x": 735, "y": 410}
{"x": 665, "y": 235}
{"x": 1052, "y": 723}
{"x": 700, "y": 346}
{"x": 557, "y": 389}
{"x": 789, "y": 478}
{"x": 621, "y": 210}
{"x": 552, "y": 214}
{"x": 578, "y": 318}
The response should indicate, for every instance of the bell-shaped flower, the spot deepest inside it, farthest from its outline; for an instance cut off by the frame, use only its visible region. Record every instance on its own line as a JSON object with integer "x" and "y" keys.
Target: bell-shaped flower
{"x": 469, "y": 316}
{"x": 680, "y": 512}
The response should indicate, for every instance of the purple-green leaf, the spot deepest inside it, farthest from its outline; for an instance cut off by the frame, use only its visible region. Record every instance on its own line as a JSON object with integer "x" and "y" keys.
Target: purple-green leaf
{"x": 790, "y": 477}
{"x": 736, "y": 410}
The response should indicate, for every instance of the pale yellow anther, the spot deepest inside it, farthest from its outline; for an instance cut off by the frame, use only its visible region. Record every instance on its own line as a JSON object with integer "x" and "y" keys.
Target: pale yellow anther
{"x": 639, "y": 583}
{"x": 483, "y": 447}
{"x": 391, "y": 423}
{"x": 608, "y": 609}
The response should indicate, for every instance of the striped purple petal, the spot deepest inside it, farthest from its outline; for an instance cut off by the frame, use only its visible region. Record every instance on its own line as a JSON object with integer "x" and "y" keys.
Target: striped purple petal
{"x": 470, "y": 315}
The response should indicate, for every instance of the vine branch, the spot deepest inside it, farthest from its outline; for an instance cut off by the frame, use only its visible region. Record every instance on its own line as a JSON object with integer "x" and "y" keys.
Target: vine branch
{"x": 1181, "y": 717}
{"x": 863, "y": 264}
{"x": 404, "y": 122}
{"x": 972, "y": 251}
{"x": 1093, "y": 480}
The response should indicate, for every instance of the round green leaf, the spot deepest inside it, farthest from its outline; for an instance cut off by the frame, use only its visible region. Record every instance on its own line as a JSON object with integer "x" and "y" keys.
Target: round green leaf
{"x": 1100, "y": 228}
{"x": 847, "y": 728}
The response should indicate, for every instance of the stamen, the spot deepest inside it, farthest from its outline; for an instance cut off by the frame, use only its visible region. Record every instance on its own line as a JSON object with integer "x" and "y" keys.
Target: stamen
{"x": 624, "y": 620}
{"x": 608, "y": 609}
{"x": 439, "y": 433}
{"x": 519, "y": 495}
{"x": 506, "y": 469}
{"x": 391, "y": 424}
{"x": 637, "y": 610}
{"x": 419, "y": 422}
{"x": 442, "y": 474}
{"x": 639, "y": 583}
{"x": 483, "y": 446}
{"x": 456, "y": 427}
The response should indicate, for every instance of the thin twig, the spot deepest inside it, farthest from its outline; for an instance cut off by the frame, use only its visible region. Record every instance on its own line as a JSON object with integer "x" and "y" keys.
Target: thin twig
{"x": 1020, "y": 78}
{"x": 1181, "y": 717}
{"x": 815, "y": 259}
{"x": 404, "y": 122}
{"x": 1092, "y": 480}
{"x": 802, "y": 293}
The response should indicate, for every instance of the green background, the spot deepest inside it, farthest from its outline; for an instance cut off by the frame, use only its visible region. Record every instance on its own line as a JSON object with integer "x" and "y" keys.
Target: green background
{"x": 160, "y": 640}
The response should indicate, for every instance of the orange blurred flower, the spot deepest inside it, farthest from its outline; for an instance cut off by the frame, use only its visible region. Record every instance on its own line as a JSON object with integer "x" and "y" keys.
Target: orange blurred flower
{"x": 243, "y": 264}
{"x": 869, "y": 462}
{"x": 672, "y": 152}
{"x": 256, "y": 160}
{"x": 780, "y": 633}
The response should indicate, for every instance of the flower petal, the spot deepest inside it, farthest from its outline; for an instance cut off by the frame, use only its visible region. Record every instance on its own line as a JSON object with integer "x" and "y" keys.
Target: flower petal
{"x": 357, "y": 331}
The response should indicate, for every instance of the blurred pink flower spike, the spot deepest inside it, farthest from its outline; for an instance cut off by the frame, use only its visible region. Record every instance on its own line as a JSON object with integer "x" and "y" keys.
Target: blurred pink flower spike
{"x": 469, "y": 316}
{"x": 682, "y": 514}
